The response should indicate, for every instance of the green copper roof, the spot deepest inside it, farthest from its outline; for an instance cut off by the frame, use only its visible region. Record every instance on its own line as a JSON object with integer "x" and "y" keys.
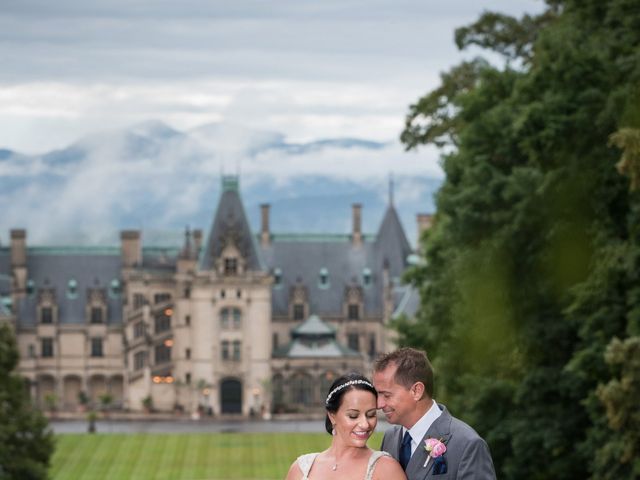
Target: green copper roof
{"x": 315, "y": 237}
{"x": 93, "y": 250}
{"x": 74, "y": 250}
{"x": 230, "y": 183}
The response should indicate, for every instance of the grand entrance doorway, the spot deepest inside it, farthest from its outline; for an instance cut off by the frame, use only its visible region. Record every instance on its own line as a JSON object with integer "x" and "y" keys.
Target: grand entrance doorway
{"x": 231, "y": 396}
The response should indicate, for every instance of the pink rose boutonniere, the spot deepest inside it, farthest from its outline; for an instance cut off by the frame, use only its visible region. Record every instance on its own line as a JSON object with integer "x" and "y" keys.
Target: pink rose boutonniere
{"x": 435, "y": 448}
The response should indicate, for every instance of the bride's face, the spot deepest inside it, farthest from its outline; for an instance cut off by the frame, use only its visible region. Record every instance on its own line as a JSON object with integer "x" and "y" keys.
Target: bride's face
{"x": 356, "y": 417}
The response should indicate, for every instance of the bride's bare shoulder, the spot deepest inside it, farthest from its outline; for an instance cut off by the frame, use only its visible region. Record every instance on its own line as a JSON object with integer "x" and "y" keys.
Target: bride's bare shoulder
{"x": 387, "y": 467}
{"x": 294, "y": 472}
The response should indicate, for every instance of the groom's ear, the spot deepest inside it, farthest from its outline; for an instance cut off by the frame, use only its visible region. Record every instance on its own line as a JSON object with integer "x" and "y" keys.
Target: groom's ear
{"x": 417, "y": 391}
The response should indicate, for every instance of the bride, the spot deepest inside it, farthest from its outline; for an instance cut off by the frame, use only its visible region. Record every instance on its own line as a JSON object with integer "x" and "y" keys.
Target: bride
{"x": 351, "y": 420}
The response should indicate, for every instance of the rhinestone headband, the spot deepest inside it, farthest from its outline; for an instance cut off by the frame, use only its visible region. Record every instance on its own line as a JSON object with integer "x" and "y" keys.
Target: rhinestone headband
{"x": 344, "y": 385}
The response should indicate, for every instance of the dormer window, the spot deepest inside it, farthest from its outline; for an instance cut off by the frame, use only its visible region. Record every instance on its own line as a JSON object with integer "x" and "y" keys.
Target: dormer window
{"x": 298, "y": 302}
{"x": 114, "y": 288}
{"x": 366, "y": 277}
{"x": 230, "y": 266}
{"x": 231, "y": 261}
{"x": 46, "y": 315}
{"x": 72, "y": 289}
{"x": 323, "y": 278}
{"x": 277, "y": 277}
{"x": 298, "y": 311}
{"x": 96, "y": 309}
{"x": 97, "y": 315}
{"x": 353, "y": 302}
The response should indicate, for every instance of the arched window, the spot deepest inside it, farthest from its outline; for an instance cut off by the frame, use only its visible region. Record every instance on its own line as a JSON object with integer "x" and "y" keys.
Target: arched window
{"x": 302, "y": 389}
{"x": 277, "y": 384}
{"x": 326, "y": 380}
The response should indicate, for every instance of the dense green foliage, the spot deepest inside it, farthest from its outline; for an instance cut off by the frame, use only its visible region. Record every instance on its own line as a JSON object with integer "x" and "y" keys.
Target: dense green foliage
{"x": 216, "y": 456}
{"x": 25, "y": 441}
{"x": 533, "y": 263}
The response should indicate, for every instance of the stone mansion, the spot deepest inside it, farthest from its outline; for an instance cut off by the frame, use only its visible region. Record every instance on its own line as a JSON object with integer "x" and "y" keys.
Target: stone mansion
{"x": 237, "y": 322}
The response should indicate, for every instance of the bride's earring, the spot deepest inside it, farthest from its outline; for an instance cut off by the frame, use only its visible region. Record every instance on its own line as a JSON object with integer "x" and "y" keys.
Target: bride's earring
{"x": 333, "y": 430}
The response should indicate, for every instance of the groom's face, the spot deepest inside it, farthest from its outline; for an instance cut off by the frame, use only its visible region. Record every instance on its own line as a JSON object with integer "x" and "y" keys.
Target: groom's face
{"x": 395, "y": 400}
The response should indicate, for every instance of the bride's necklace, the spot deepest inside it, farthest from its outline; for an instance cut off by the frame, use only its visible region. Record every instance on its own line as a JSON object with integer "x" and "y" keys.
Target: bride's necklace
{"x": 335, "y": 466}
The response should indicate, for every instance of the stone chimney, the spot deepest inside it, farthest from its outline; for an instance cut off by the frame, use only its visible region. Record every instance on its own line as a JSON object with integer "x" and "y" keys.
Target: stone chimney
{"x": 265, "y": 236}
{"x": 356, "y": 233}
{"x": 19, "y": 259}
{"x": 425, "y": 222}
{"x": 131, "y": 248}
{"x": 18, "y": 248}
{"x": 196, "y": 235}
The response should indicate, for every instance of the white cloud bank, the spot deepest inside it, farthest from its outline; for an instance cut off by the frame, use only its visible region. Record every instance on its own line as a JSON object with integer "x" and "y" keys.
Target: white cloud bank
{"x": 309, "y": 69}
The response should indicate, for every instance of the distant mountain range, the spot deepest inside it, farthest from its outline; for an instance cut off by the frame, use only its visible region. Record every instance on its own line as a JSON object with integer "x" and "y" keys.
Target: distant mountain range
{"x": 159, "y": 179}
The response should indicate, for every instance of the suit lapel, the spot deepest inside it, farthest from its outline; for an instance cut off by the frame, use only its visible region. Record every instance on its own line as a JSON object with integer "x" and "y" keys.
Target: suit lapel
{"x": 397, "y": 438}
{"x": 440, "y": 429}
{"x": 393, "y": 442}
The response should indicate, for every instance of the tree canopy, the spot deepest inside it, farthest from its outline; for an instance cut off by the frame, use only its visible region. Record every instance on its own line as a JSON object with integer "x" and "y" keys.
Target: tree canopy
{"x": 530, "y": 293}
{"x": 26, "y": 443}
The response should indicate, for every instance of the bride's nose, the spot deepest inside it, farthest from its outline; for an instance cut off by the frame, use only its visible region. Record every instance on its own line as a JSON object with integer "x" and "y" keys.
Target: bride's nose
{"x": 364, "y": 422}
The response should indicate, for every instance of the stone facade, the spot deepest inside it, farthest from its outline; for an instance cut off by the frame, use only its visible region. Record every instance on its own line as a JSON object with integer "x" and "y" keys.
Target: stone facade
{"x": 237, "y": 323}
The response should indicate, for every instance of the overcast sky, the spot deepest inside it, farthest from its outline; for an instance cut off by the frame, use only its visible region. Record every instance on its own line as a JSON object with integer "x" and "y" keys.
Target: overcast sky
{"x": 327, "y": 68}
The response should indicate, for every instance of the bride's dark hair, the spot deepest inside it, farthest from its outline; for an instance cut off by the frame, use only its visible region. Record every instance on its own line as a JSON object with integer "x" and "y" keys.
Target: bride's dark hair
{"x": 350, "y": 381}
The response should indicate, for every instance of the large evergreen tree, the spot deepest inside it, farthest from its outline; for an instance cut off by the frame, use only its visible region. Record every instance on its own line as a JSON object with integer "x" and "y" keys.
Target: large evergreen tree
{"x": 532, "y": 263}
{"x": 26, "y": 443}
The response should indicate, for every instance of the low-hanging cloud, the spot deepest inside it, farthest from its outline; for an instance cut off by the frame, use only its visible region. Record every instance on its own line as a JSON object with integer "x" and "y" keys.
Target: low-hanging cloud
{"x": 153, "y": 176}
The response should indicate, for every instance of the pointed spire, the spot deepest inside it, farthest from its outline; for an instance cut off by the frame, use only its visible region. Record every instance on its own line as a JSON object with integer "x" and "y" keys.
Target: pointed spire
{"x": 230, "y": 224}
{"x": 391, "y": 189}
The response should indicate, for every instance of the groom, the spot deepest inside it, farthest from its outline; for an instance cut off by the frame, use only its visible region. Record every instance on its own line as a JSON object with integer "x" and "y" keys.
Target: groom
{"x": 404, "y": 381}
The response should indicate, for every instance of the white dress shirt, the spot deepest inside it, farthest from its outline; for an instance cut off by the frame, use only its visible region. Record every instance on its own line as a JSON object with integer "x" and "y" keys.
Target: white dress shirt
{"x": 419, "y": 430}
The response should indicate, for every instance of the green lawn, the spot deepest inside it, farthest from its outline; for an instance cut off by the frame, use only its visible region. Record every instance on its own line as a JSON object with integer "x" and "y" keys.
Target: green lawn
{"x": 215, "y": 456}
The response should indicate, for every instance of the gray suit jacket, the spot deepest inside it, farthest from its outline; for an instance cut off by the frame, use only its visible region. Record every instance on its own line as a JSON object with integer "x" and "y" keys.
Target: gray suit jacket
{"x": 467, "y": 455}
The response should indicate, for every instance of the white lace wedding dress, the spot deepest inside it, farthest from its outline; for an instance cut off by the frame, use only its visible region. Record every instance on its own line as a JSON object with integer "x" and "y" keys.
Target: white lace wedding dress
{"x": 306, "y": 461}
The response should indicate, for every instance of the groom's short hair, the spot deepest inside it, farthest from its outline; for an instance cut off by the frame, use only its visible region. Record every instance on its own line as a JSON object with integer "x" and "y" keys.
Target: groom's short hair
{"x": 412, "y": 366}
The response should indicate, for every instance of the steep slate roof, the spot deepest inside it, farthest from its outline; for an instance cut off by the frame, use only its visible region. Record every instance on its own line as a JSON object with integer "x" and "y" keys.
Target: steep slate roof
{"x": 54, "y": 267}
{"x": 90, "y": 267}
{"x": 5, "y": 287}
{"x": 300, "y": 259}
{"x": 230, "y": 218}
{"x": 392, "y": 244}
{"x": 5, "y": 272}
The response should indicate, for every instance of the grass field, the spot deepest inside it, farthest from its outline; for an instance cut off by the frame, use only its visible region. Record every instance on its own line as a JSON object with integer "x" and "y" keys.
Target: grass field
{"x": 215, "y": 456}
